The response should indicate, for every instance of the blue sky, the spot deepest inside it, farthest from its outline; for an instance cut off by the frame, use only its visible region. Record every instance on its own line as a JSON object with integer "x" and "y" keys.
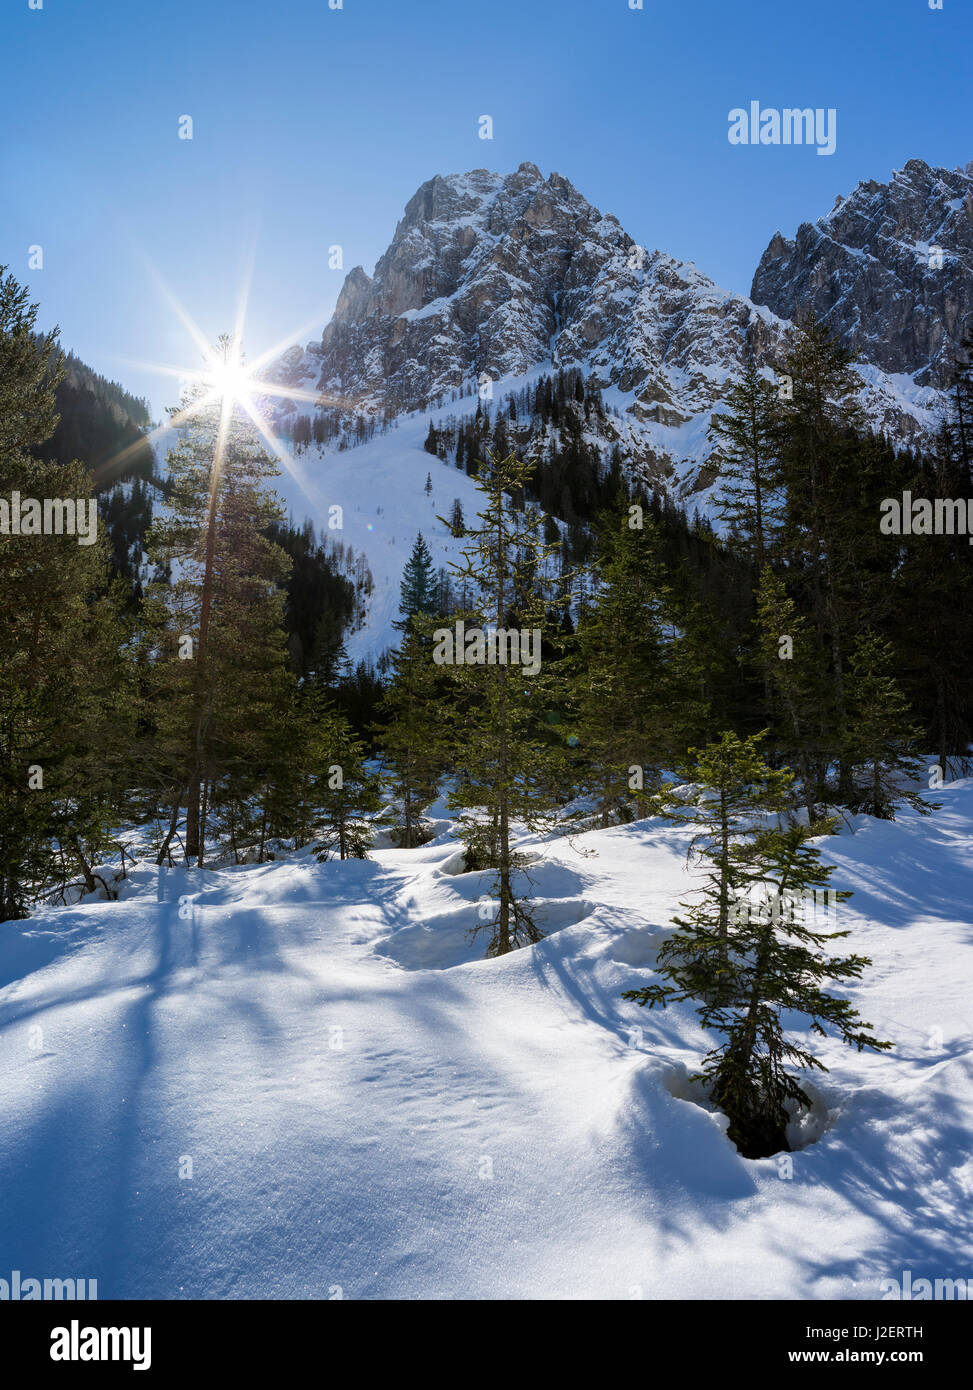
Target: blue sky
{"x": 314, "y": 126}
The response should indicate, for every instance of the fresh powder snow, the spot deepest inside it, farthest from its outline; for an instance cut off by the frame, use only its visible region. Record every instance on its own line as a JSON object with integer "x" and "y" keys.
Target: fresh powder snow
{"x": 300, "y": 1080}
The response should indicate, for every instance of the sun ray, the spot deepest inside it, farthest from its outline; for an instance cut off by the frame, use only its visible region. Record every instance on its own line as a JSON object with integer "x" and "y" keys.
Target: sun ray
{"x": 228, "y": 381}
{"x": 284, "y": 456}
{"x": 198, "y": 337}
{"x": 287, "y": 342}
{"x": 177, "y": 419}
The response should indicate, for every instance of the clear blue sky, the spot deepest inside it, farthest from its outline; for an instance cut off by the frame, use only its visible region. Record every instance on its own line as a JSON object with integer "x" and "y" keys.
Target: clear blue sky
{"x": 315, "y": 126}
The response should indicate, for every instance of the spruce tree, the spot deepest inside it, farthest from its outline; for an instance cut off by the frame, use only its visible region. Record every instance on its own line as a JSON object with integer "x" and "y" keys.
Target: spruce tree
{"x": 508, "y": 758}
{"x": 622, "y": 660}
{"x": 65, "y": 701}
{"x": 881, "y": 736}
{"x": 343, "y": 794}
{"x": 934, "y": 614}
{"x": 418, "y": 588}
{"x": 413, "y": 733}
{"x": 793, "y": 668}
{"x": 223, "y": 679}
{"x": 959, "y": 421}
{"x": 749, "y": 479}
{"x": 821, "y": 456}
{"x": 728, "y": 793}
{"x": 768, "y": 962}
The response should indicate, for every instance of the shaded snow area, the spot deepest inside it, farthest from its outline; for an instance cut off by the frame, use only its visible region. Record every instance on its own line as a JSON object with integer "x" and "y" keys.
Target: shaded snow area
{"x": 370, "y": 1106}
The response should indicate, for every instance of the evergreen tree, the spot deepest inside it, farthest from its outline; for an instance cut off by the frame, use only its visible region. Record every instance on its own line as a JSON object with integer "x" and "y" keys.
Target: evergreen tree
{"x": 881, "y": 736}
{"x": 792, "y": 667}
{"x": 933, "y": 614}
{"x": 767, "y": 963}
{"x": 509, "y": 763}
{"x": 749, "y": 470}
{"x": 959, "y": 422}
{"x": 418, "y": 588}
{"x": 821, "y": 458}
{"x": 413, "y": 711}
{"x": 64, "y": 697}
{"x": 729, "y": 793}
{"x": 622, "y": 661}
{"x": 223, "y": 681}
{"x": 344, "y": 793}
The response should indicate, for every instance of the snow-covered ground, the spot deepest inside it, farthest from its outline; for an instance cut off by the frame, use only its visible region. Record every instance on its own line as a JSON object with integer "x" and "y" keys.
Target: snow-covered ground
{"x": 370, "y": 1107}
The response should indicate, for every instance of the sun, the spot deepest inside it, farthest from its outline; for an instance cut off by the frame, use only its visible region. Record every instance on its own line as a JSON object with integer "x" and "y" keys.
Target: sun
{"x": 229, "y": 380}
{"x": 226, "y": 376}
{"x": 233, "y": 386}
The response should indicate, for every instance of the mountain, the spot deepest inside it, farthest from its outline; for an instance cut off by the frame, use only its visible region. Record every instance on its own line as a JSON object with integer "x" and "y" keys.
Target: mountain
{"x": 870, "y": 272}
{"x": 501, "y": 276}
{"x": 504, "y": 274}
{"x": 104, "y": 426}
{"x": 100, "y": 423}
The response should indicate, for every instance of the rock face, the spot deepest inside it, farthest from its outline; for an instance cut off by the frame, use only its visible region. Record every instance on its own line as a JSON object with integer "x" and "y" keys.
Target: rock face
{"x": 500, "y": 274}
{"x": 496, "y": 274}
{"x": 869, "y": 270}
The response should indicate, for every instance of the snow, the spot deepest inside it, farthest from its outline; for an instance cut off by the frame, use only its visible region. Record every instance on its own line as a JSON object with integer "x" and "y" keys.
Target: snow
{"x": 371, "y": 1107}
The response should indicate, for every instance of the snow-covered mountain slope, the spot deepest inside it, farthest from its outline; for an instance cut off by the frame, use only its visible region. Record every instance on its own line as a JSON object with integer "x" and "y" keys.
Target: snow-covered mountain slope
{"x": 870, "y": 271}
{"x": 380, "y": 488}
{"x": 368, "y": 1107}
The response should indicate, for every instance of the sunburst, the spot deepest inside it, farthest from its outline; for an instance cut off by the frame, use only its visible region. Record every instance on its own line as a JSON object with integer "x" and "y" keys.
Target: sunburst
{"x": 226, "y": 382}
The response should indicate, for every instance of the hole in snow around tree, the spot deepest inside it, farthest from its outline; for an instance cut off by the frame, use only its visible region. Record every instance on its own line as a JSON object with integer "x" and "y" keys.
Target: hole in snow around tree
{"x": 456, "y": 863}
{"x": 444, "y": 940}
{"x": 805, "y": 1127}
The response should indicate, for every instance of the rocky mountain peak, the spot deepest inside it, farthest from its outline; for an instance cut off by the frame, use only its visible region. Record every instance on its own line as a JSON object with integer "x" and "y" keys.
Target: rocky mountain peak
{"x": 889, "y": 270}
{"x": 498, "y": 275}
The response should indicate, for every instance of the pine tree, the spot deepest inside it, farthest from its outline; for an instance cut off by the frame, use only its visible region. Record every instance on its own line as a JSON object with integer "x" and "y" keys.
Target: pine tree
{"x": 622, "y": 663}
{"x": 960, "y": 419}
{"x": 749, "y": 470}
{"x": 768, "y": 962}
{"x": 344, "y": 793}
{"x": 792, "y": 666}
{"x": 934, "y": 614}
{"x": 457, "y": 522}
{"x": 223, "y": 681}
{"x": 730, "y": 791}
{"x": 821, "y": 457}
{"x": 65, "y": 703}
{"x": 881, "y": 737}
{"x": 418, "y": 588}
{"x": 413, "y": 712}
{"x": 508, "y": 760}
